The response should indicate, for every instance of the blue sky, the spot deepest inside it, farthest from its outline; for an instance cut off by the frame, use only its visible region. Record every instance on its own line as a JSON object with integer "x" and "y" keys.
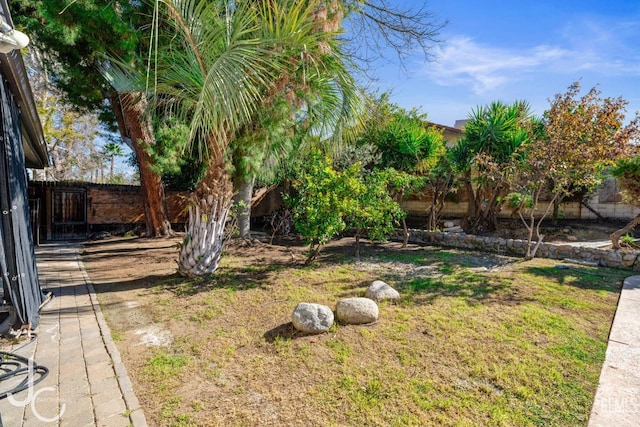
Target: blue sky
{"x": 506, "y": 50}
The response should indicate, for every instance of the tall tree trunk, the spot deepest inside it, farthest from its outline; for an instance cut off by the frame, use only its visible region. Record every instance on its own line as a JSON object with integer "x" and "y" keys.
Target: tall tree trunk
{"x": 467, "y": 222}
{"x": 139, "y": 130}
{"x": 201, "y": 250}
{"x": 243, "y": 188}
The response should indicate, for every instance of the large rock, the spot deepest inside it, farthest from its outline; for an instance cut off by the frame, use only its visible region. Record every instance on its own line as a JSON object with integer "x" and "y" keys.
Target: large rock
{"x": 379, "y": 291}
{"x": 356, "y": 310}
{"x": 312, "y": 318}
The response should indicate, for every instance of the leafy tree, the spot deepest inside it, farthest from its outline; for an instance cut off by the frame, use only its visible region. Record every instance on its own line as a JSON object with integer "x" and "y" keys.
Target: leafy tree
{"x": 70, "y": 134}
{"x": 586, "y": 133}
{"x": 485, "y": 158}
{"x": 439, "y": 183}
{"x": 627, "y": 170}
{"x": 397, "y": 186}
{"x": 71, "y": 141}
{"x": 323, "y": 196}
{"x": 328, "y": 201}
{"x": 374, "y": 212}
{"x": 567, "y": 151}
{"x": 74, "y": 38}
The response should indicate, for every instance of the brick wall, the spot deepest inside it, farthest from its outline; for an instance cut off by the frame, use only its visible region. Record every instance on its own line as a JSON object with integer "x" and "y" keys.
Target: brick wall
{"x": 123, "y": 205}
{"x": 114, "y": 205}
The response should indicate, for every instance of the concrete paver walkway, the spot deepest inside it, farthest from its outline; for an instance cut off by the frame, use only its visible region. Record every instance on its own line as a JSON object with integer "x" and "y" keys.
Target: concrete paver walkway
{"x": 87, "y": 383}
{"x": 617, "y": 401}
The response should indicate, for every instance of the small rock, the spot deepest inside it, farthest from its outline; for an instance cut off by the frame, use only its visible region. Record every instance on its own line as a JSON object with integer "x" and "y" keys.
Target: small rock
{"x": 356, "y": 310}
{"x": 379, "y": 291}
{"x": 312, "y": 318}
{"x": 449, "y": 224}
{"x": 572, "y": 238}
{"x": 99, "y": 235}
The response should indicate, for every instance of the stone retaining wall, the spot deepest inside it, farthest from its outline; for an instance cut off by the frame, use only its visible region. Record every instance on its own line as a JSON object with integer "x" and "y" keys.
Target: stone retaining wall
{"x": 622, "y": 259}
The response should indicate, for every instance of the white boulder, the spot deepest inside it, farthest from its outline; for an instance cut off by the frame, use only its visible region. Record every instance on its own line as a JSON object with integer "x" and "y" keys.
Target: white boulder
{"x": 356, "y": 310}
{"x": 312, "y": 318}
{"x": 379, "y": 291}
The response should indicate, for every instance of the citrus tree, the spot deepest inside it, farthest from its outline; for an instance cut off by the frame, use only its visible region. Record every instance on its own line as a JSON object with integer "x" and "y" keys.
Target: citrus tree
{"x": 328, "y": 201}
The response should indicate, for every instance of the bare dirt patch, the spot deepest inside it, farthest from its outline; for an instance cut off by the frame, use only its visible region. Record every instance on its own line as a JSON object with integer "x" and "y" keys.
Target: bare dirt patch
{"x": 478, "y": 339}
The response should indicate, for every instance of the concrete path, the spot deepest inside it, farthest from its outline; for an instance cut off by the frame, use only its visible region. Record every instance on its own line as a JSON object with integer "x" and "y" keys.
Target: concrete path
{"x": 87, "y": 383}
{"x": 617, "y": 401}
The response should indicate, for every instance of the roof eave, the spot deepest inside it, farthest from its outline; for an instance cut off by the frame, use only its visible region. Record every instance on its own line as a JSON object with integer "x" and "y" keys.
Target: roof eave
{"x": 13, "y": 69}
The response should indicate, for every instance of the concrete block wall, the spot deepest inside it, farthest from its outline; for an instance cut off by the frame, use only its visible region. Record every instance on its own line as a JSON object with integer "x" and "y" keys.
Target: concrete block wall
{"x": 610, "y": 209}
{"x": 607, "y": 201}
{"x": 568, "y": 210}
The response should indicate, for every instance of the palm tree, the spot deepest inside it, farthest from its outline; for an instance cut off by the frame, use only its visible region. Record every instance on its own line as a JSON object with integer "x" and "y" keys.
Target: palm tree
{"x": 219, "y": 64}
{"x": 112, "y": 150}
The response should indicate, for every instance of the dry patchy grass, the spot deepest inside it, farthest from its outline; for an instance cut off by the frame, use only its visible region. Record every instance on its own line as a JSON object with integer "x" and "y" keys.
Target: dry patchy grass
{"x": 477, "y": 339}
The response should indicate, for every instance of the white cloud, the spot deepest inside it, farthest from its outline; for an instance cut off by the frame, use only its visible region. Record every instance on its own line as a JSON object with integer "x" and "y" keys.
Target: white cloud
{"x": 465, "y": 62}
{"x": 483, "y": 68}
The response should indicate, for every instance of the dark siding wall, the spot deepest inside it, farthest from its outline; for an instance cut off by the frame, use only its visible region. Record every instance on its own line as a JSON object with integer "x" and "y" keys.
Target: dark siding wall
{"x": 17, "y": 258}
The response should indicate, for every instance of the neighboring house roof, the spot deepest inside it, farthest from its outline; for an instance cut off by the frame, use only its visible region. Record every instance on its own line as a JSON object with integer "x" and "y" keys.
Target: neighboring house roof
{"x": 449, "y": 129}
{"x": 13, "y": 69}
{"x": 450, "y": 134}
{"x": 460, "y": 123}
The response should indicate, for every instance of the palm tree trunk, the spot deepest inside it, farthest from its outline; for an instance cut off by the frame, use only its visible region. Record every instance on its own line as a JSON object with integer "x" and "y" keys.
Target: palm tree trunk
{"x": 201, "y": 251}
{"x": 139, "y": 130}
{"x": 242, "y": 200}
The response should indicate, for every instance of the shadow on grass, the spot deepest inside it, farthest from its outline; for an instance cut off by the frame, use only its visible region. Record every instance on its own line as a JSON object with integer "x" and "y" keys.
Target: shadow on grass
{"x": 595, "y": 278}
{"x": 285, "y": 331}
{"x": 232, "y": 278}
{"x": 463, "y": 284}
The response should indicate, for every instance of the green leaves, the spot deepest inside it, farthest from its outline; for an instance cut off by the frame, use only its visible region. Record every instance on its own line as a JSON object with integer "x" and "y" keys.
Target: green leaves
{"x": 497, "y": 130}
{"x": 403, "y": 138}
{"x": 627, "y": 170}
{"x": 328, "y": 201}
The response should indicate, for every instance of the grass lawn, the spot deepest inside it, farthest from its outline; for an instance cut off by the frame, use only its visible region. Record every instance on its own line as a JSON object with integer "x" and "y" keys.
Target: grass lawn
{"x": 477, "y": 339}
